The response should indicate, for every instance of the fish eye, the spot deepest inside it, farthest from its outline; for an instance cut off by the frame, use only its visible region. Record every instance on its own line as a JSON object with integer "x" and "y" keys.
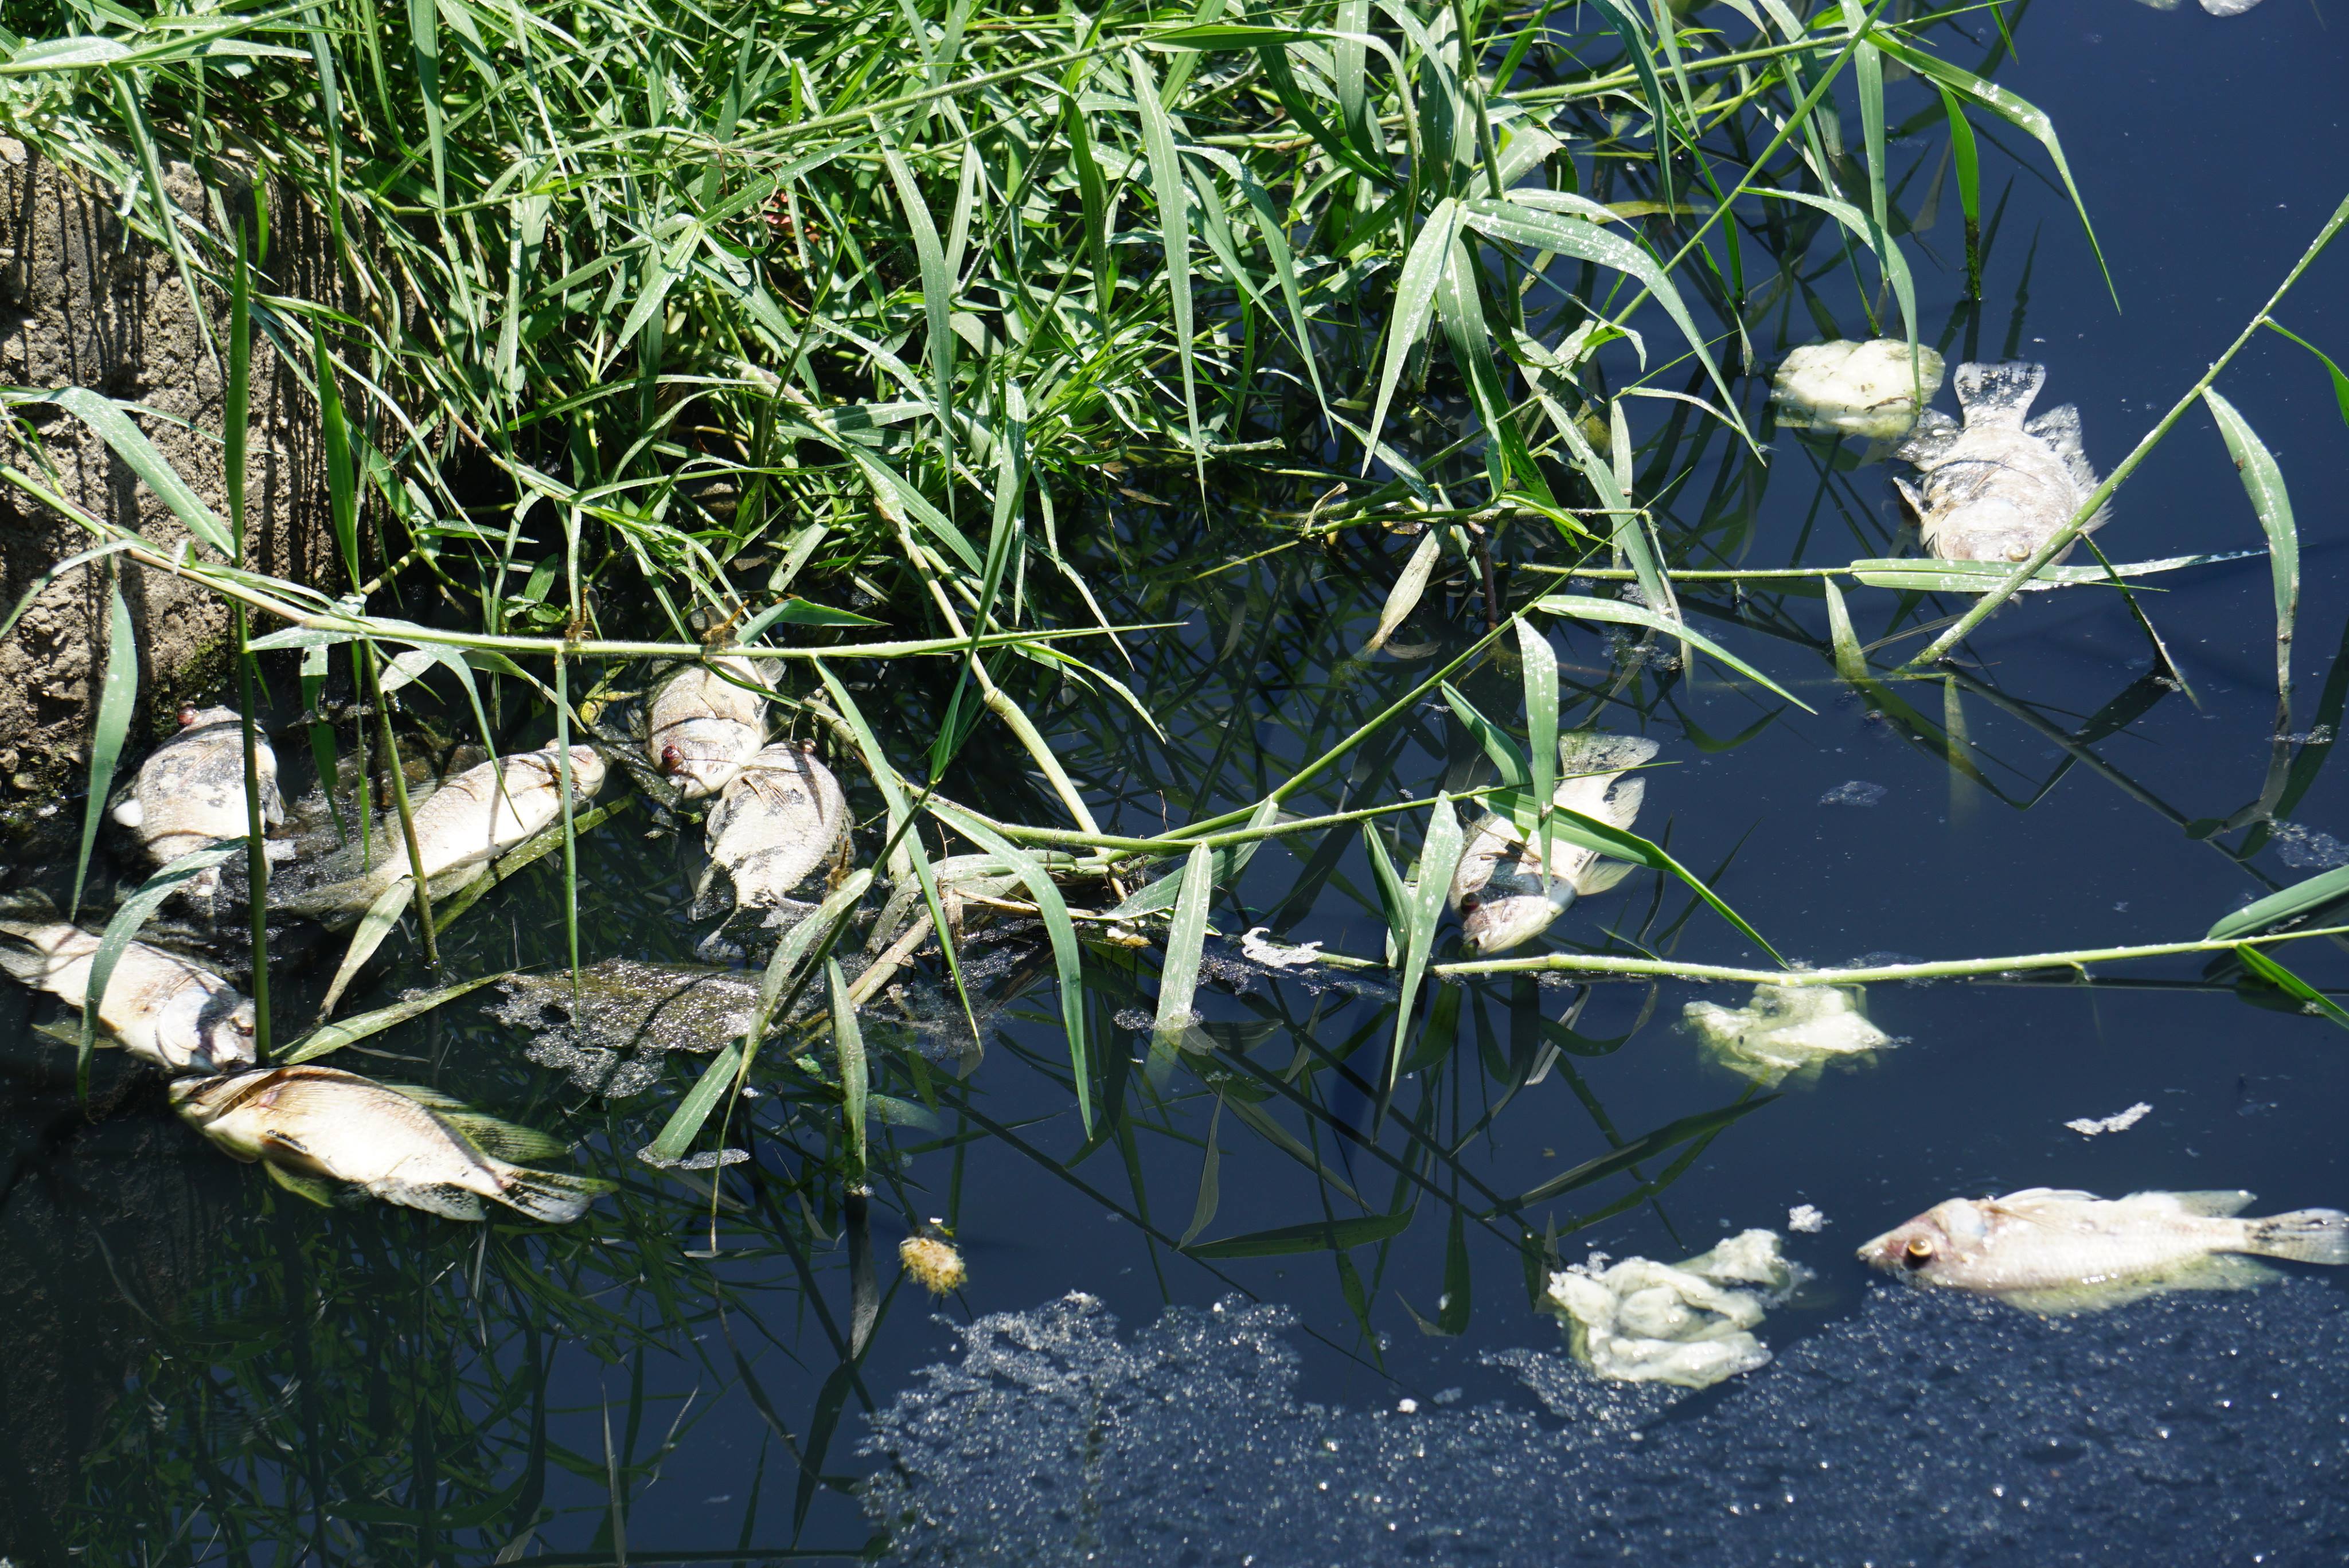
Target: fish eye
{"x": 1919, "y": 1253}
{"x": 187, "y": 715}
{"x": 671, "y": 758}
{"x": 2018, "y": 552}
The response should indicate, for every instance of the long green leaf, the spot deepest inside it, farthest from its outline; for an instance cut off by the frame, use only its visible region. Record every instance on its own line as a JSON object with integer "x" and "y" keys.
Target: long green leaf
{"x": 937, "y": 290}
{"x": 2340, "y": 376}
{"x": 2282, "y": 907}
{"x": 1439, "y": 857}
{"x": 2310, "y": 998}
{"x": 848, "y": 1043}
{"x": 1588, "y": 608}
{"x": 118, "y": 700}
{"x": 106, "y": 419}
{"x": 1639, "y": 1149}
{"x": 1412, "y": 309}
{"x": 1538, "y": 664}
{"x": 1178, "y": 977}
{"x": 1175, "y": 237}
{"x": 373, "y": 927}
{"x": 2264, "y": 482}
{"x": 1323, "y": 1235}
{"x": 334, "y": 1036}
{"x": 1203, "y": 1208}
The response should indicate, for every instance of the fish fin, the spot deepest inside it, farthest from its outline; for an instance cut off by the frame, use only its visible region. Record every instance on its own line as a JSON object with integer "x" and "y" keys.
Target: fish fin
{"x": 438, "y": 1099}
{"x": 1593, "y": 766}
{"x": 25, "y": 968}
{"x": 2217, "y": 1271}
{"x": 2305, "y": 1235}
{"x": 548, "y": 1195}
{"x": 1913, "y": 500}
{"x": 1934, "y": 434}
{"x": 503, "y": 1139}
{"x": 275, "y": 1143}
{"x": 307, "y": 1187}
{"x": 2218, "y": 1204}
{"x": 1601, "y": 876}
{"x": 128, "y": 812}
{"x": 1999, "y": 394}
{"x": 2060, "y": 428}
{"x": 451, "y": 1202}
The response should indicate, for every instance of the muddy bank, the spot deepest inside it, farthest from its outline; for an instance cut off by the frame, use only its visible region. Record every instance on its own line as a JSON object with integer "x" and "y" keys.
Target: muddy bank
{"x": 84, "y": 302}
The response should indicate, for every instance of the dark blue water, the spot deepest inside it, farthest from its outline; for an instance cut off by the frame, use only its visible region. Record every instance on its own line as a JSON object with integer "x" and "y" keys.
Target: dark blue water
{"x": 208, "y": 1372}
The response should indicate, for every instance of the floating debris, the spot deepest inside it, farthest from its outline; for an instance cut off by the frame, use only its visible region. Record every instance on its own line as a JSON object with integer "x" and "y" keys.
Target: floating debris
{"x": 1856, "y": 389}
{"x": 312, "y": 1126}
{"x": 157, "y": 1004}
{"x": 1501, "y": 890}
{"x": 626, "y": 1016}
{"x": 1787, "y": 1029}
{"x": 2120, "y": 1121}
{"x": 1857, "y": 793}
{"x": 1996, "y": 488}
{"x": 933, "y": 1262}
{"x": 2306, "y": 849}
{"x": 1639, "y": 1321}
{"x": 782, "y": 817}
{"x": 190, "y": 792}
{"x": 707, "y": 721}
{"x": 1273, "y": 955}
{"x": 2053, "y": 1250}
{"x": 1806, "y": 1219}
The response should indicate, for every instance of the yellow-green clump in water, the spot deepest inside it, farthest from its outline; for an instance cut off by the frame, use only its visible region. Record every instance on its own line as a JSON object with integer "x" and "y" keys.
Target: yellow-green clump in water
{"x": 1856, "y": 389}
{"x": 1690, "y": 1324}
{"x": 934, "y": 1263}
{"x": 1785, "y": 1030}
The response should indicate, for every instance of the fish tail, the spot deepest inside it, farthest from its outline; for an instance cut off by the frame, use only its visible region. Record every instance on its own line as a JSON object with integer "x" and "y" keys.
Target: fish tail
{"x": 1999, "y": 394}
{"x": 1594, "y": 764}
{"x": 2305, "y": 1235}
{"x": 1601, "y": 876}
{"x": 52, "y": 948}
{"x": 547, "y": 1195}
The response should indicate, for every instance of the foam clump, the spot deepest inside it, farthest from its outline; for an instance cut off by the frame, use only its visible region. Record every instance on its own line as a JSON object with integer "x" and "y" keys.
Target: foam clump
{"x": 1856, "y": 389}
{"x": 1924, "y": 1428}
{"x": 1689, "y": 1324}
{"x": 1785, "y": 1030}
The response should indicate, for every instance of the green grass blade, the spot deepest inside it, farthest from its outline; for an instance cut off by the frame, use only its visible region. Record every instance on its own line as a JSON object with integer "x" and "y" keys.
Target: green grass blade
{"x": 2264, "y": 482}
{"x": 1068, "y": 959}
{"x": 118, "y": 700}
{"x": 1178, "y": 977}
{"x": 2310, "y": 998}
{"x": 1642, "y": 1148}
{"x": 1588, "y": 608}
{"x": 2283, "y": 906}
{"x": 848, "y": 1043}
{"x": 1414, "y": 309}
{"x": 1439, "y": 857}
{"x": 1968, "y": 162}
{"x": 1471, "y": 353}
{"x": 41, "y": 583}
{"x": 1320, "y": 1235}
{"x": 937, "y": 292}
{"x": 373, "y": 927}
{"x": 106, "y": 420}
{"x": 334, "y": 435}
{"x": 329, "y": 1037}
{"x": 2340, "y": 377}
{"x": 1174, "y": 235}
{"x": 1503, "y": 752}
{"x": 1879, "y": 243}
{"x": 1203, "y": 1209}
{"x": 1538, "y": 667}
{"x": 1410, "y": 587}
{"x": 123, "y": 929}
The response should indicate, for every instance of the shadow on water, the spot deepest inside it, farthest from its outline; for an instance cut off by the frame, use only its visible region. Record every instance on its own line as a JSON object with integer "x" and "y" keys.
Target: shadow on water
{"x": 1318, "y": 1215}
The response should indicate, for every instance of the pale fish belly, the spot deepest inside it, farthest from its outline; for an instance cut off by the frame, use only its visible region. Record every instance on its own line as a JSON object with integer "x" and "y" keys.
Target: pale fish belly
{"x": 2031, "y": 1254}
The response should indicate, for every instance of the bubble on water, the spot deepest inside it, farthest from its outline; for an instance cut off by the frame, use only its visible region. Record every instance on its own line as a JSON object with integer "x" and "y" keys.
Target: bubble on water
{"x": 1928, "y": 1427}
{"x": 2306, "y": 848}
{"x": 1857, "y": 793}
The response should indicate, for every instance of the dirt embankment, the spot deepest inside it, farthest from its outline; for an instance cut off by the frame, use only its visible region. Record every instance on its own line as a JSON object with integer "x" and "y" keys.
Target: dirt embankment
{"x": 83, "y": 302}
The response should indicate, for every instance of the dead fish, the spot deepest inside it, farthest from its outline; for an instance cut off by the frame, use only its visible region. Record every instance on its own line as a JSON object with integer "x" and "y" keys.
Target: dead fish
{"x": 157, "y": 1005}
{"x": 190, "y": 791}
{"x": 1997, "y": 487}
{"x": 2053, "y": 1250}
{"x": 312, "y": 1125}
{"x": 1856, "y": 389}
{"x": 1786, "y": 1030}
{"x": 706, "y": 727}
{"x": 782, "y": 818}
{"x": 468, "y": 822}
{"x": 1499, "y": 888}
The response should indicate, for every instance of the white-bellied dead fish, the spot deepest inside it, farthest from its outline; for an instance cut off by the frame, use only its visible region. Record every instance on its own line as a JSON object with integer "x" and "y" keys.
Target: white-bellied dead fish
{"x": 782, "y": 817}
{"x": 1999, "y": 486}
{"x": 612, "y": 1034}
{"x": 1856, "y": 389}
{"x": 414, "y": 1147}
{"x": 465, "y": 823}
{"x": 2053, "y": 1251}
{"x": 1500, "y": 890}
{"x": 190, "y": 791}
{"x": 159, "y": 1006}
{"x": 707, "y": 721}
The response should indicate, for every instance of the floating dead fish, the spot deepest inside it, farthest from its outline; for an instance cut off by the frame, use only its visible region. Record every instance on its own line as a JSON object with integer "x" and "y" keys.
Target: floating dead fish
{"x": 782, "y": 818}
{"x": 190, "y": 791}
{"x": 1690, "y": 1324}
{"x": 1786, "y": 1029}
{"x": 2052, "y": 1250}
{"x": 314, "y": 1126}
{"x": 612, "y": 1036}
{"x": 464, "y": 824}
{"x": 1856, "y": 389}
{"x": 159, "y": 1006}
{"x": 707, "y": 722}
{"x": 1997, "y": 488}
{"x": 1499, "y": 889}
{"x": 2216, "y": 7}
